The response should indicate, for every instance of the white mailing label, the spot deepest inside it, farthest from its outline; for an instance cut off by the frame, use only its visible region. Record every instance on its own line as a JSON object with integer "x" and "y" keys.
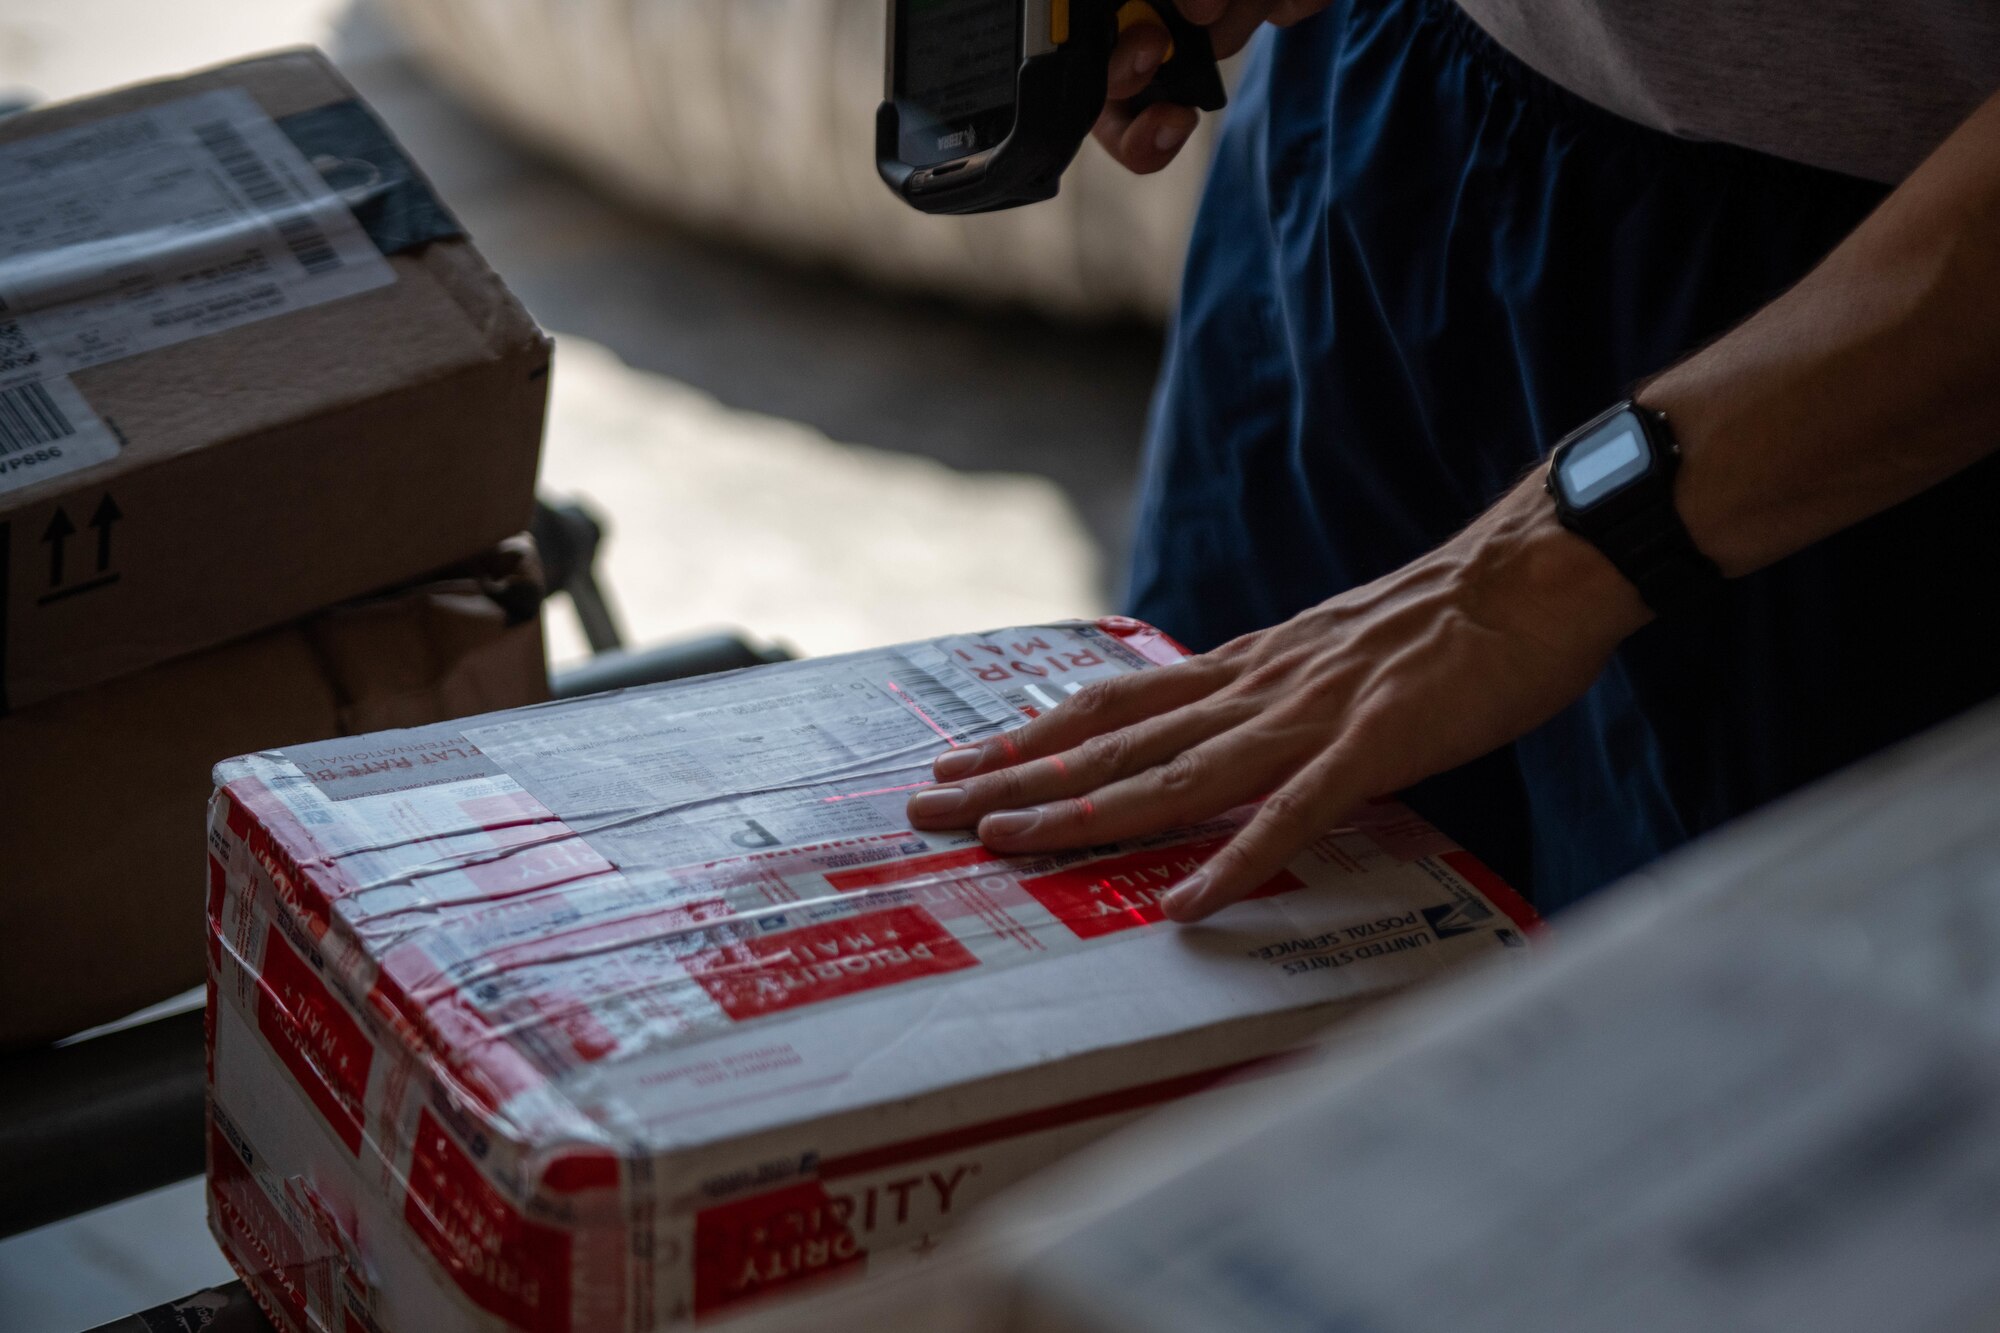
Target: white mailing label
{"x": 143, "y": 230}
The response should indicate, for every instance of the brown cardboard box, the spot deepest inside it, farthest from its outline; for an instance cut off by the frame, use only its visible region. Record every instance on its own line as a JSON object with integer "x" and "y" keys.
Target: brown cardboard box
{"x": 249, "y": 368}
{"x": 103, "y": 789}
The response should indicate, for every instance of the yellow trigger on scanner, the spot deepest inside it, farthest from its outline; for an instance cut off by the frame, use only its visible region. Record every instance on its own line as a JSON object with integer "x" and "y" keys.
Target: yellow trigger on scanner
{"x": 1134, "y": 12}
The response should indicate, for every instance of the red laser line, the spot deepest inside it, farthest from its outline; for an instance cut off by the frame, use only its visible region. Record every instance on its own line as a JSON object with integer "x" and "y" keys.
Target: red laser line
{"x": 911, "y": 704}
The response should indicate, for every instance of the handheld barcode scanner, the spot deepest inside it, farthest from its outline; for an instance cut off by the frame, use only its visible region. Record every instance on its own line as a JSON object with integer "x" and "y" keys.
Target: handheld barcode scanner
{"x": 988, "y": 100}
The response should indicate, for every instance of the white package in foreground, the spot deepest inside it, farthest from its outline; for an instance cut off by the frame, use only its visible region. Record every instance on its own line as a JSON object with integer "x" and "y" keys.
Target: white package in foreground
{"x": 620, "y": 1012}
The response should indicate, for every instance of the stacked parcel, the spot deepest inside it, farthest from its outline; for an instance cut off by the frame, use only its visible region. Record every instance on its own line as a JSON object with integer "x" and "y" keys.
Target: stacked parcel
{"x": 619, "y": 1013}
{"x": 257, "y": 390}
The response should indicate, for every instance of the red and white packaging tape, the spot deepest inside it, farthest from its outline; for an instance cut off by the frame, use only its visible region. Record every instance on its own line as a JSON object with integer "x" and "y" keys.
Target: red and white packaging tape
{"x": 624, "y": 1012}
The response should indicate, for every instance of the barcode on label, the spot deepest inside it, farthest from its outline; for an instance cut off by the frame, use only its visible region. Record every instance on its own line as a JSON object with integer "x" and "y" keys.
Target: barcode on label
{"x": 30, "y": 417}
{"x": 942, "y": 704}
{"x": 16, "y": 352}
{"x": 307, "y": 243}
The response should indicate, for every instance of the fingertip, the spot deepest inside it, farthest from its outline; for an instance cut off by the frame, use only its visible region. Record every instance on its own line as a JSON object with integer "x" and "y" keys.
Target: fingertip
{"x": 1193, "y": 914}
{"x": 956, "y": 763}
{"x": 1187, "y": 902}
{"x": 1175, "y": 131}
{"x": 1139, "y": 53}
{"x": 937, "y": 807}
{"x": 1004, "y": 830}
{"x": 1156, "y": 135}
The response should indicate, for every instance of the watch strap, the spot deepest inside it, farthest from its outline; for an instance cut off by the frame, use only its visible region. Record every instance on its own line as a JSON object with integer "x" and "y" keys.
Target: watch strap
{"x": 1646, "y": 541}
{"x": 1652, "y": 549}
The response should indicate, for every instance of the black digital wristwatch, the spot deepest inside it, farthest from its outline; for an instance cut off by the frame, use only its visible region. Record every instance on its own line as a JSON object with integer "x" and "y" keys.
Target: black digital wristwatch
{"x": 1613, "y": 483}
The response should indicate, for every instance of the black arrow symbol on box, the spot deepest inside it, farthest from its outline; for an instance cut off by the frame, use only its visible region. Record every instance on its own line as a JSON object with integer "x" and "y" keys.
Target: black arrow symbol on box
{"x": 106, "y": 513}
{"x": 57, "y": 535}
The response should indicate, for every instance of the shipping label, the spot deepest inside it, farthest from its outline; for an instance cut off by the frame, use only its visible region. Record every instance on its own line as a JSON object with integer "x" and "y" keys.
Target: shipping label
{"x": 143, "y": 230}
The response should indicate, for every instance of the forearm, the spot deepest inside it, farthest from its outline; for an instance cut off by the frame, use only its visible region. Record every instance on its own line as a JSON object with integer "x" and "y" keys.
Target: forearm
{"x": 1874, "y": 378}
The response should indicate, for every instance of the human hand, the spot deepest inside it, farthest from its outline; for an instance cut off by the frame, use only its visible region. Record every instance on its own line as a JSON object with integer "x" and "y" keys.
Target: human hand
{"x": 1422, "y": 670}
{"x": 1147, "y": 140}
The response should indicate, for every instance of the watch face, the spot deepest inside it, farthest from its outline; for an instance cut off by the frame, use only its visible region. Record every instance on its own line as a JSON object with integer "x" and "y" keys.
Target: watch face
{"x": 1604, "y": 462}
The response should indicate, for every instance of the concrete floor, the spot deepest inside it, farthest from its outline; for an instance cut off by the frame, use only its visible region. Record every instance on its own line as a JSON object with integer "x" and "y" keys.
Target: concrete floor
{"x": 782, "y": 450}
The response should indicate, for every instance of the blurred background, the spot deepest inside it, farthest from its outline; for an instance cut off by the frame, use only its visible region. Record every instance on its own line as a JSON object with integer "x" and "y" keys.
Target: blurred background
{"x": 804, "y": 410}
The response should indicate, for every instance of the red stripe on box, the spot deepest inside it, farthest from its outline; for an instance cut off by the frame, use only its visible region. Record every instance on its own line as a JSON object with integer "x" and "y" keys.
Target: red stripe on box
{"x": 576, "y": 1171}
{"x": 235, "y": 818}
{"x": 218, "y": 884}
{"x": 525, "y": 867}
{"x": 782, "y": 1240}
{"x": 508, "y": 1265}
{"x": 1034, "y": 1122}
{"x": 891, "y": 872}
{"x": 315, "y": 1037}
{"x": 1124, "y": 892}
{"x": 1495, "y": 889}
{"x": 218, "y": 880}
{"x": 263, "y": 834}
{"x": 764, "y": 974}
{"x": 260, "y": 1244}
{"x": 1155, "y": 645}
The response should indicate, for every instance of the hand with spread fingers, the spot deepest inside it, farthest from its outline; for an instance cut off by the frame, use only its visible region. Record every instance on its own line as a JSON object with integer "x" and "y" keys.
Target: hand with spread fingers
{"x": 1146, "y": 140}
{"x": 1422, "y": 670}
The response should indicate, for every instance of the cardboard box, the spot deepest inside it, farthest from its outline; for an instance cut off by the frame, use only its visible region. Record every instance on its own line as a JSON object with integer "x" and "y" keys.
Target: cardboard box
{"x": 629, "y": 1011}
{"x": 249, "y": 368}
{"x": 100, "y": 905}
{"x": 1758, "y": 1088}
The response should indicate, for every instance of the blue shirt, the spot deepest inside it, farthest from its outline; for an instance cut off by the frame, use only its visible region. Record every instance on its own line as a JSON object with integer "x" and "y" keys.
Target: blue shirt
{"x": 1417, "y": 264}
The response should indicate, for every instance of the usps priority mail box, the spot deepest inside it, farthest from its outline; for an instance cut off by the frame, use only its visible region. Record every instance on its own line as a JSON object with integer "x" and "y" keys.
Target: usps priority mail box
{"x": 630, "y": 1011}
